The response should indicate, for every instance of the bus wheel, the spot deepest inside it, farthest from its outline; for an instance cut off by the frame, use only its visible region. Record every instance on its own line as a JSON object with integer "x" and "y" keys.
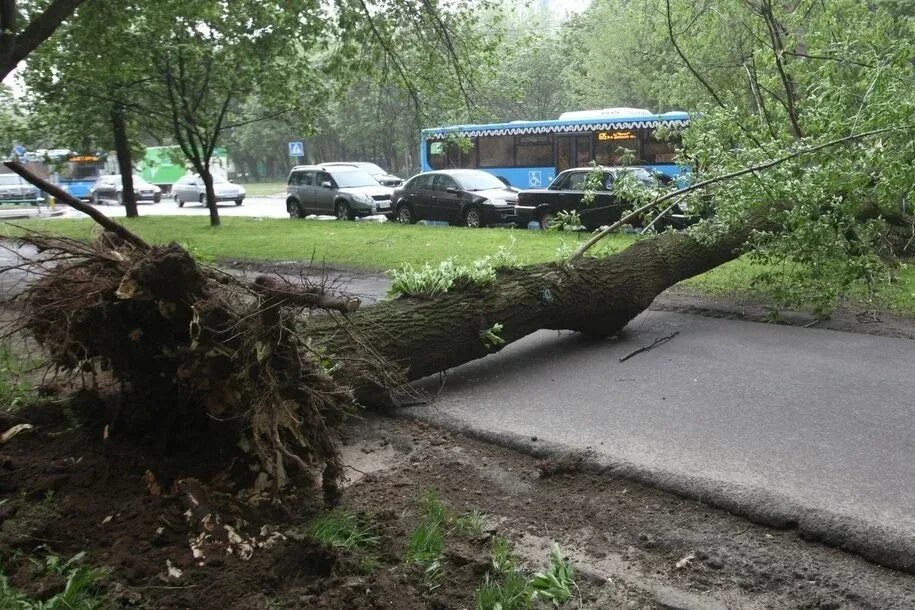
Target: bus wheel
{"x": 546, "y": 219}
{"x": 473, "y": 218}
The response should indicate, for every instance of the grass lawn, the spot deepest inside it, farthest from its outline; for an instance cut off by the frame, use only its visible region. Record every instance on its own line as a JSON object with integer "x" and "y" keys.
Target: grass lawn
{"x": 368, "y": 245}
{"x": 264, "y": 189}
{"x": 382, "y": 246}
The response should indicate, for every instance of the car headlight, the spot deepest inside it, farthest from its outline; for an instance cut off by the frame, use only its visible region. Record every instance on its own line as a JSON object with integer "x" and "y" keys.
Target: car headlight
{"x": 496, "y": 202}
{"x": 363, "y": 198}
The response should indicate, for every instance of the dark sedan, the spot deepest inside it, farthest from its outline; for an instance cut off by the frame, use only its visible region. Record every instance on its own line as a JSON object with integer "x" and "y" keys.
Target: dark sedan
{"x": 468, "y": 197}
{"x": 566, "y": 192}
{"x": 110, "y": 188}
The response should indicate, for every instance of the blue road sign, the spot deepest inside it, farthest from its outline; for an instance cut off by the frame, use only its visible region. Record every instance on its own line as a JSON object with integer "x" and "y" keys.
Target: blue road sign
{"x": 19, "y": 150}
{"x": 296, "y": 149}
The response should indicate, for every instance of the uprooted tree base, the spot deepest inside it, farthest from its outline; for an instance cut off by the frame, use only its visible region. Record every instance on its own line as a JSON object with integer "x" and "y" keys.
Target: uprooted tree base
{"x": 195, "y": 351}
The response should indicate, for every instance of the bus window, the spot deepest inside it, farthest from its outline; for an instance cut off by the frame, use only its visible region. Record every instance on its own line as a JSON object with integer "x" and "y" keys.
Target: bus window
{"x": 607, "y": 145}
{"x": 563, "y": 153}
{"x": 660, "y": 151}
{"x": 497, "y": 151}
{"x": 436, "y": 154}
{"x": 536, "y": 150}
{"x": 582, "y": 151}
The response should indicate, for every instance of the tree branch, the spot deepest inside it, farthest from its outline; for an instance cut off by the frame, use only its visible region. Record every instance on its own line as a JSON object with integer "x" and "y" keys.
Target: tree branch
{"x": 747, "y": 170}
{"x": 64, "y": 196}
{"x": 36, "y": 32}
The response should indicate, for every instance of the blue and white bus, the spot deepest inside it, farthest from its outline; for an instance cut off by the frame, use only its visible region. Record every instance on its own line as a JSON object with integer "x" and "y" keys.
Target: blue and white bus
{"x": 529, "y": 154}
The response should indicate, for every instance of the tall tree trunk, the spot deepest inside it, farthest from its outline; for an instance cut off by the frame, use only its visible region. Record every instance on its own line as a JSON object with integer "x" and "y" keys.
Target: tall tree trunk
{"x": 594, "y": 295}
{"x": 125, "y": 164}
{"x": 207, "y": 176}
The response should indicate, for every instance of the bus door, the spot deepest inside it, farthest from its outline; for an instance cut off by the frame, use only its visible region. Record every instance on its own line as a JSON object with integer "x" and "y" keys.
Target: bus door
{"x": 573, "y": 150}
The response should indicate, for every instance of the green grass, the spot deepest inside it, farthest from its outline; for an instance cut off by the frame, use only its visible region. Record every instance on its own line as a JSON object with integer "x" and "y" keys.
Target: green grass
{"x": 15, "y": 390}
{"x": 81, "y": 591}
{"x": 366, "y": 245}
{"x": 342, "y": 529}
{"x": 264, "y": 189}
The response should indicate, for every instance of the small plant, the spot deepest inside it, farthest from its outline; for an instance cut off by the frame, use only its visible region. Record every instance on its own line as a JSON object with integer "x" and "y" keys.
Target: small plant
{"x": 81, "y": 591}
{"x": 470, "y": 524}
{"x": 509, "y": 594}
{"x": 503, "y": 561}
{"x": 14, "y": 393}
{"x": 432, "y": 281}
{"x": 555, "y": 583}
{"x": 426, "y": 543}
{"x": 492, "y": 336}
{"x": 566, "y": 220}
{"x": 342, "y": 529}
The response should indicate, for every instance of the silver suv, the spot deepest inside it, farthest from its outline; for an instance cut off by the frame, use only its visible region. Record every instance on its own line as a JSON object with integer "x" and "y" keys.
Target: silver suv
{"x": 347, "y": 192}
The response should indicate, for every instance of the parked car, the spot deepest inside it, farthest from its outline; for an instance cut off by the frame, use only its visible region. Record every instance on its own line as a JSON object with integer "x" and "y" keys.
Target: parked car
{"x": 566, "y": 191}
{"x": 383, "y": 177}
{"x": 191, "y": 188}
{"x": 111, "y": 188}
{"x": 343, "y": 190}
{"x": 469, "y": 197}
{"x": 13, "y": 189}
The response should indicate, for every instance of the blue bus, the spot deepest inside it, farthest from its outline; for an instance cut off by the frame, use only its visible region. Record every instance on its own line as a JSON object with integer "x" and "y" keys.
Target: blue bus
{"x": 73, "y": 172}
{"x": 529, "y": 154}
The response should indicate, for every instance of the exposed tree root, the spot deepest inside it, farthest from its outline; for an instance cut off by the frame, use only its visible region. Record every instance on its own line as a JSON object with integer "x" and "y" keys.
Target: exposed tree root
{"x": 197, "y": 350}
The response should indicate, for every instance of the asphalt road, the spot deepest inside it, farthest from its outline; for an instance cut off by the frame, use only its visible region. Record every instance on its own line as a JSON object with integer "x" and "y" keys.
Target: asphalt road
{"x": 265, "y": 207}
{"x": 789, "y": 426}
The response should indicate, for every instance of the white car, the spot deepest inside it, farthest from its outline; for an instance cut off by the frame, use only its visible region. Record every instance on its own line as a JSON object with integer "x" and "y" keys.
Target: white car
{"x": 190, "y": 188}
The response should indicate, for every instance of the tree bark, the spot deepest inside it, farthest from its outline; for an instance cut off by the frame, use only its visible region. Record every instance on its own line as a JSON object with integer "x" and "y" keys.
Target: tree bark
{"x": 125, "y": 164}
{"x": 207, "y": 176}
{"x": 598, "y": 296}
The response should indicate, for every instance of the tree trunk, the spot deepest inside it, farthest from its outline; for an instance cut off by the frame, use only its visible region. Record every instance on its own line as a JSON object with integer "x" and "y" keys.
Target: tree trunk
{"x": 207, "y": 176}
{"x": 125, "y": 164}
{"x": 594, "y": 295}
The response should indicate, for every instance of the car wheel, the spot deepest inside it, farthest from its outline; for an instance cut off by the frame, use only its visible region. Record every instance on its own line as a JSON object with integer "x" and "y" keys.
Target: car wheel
{"x": 239, "y": 201}
{"x": 292, "y": 206}
{"x": 546, "y": 219}
{"x": 120, "y": 197}
{"x": 405, "y": 214}
{"x": 343, "y": 211}
{"x": 473, "y": 218}
{"x": 95, "y": 199}
{"x": 203, "y": 199}
{"x": 179, "y": 202}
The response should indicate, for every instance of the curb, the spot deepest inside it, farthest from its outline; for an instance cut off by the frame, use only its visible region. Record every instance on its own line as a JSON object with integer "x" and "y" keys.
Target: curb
{"x": 880, "y": 544}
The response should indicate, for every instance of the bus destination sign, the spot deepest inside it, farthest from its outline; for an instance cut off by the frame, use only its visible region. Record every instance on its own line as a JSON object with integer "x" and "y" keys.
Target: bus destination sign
{"x": 603, "y": 136}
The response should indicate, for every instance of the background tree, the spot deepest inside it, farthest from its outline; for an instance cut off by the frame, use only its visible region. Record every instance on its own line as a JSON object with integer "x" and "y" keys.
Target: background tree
{"x": 24, "y": 25}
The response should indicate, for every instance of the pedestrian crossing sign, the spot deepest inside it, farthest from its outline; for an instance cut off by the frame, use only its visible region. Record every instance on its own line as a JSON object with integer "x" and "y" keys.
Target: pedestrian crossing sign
{"x": 296, "y": 149}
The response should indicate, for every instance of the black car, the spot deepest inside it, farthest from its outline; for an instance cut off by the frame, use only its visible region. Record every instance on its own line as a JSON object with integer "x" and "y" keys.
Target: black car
{"x": 467, "y": 197}
{"x": 565, "y": 193}
{"x": 110, "y": 188}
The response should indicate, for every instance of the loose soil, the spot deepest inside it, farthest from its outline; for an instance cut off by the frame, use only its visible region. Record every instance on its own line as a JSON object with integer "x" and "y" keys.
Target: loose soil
{"x": 64, "y": 490}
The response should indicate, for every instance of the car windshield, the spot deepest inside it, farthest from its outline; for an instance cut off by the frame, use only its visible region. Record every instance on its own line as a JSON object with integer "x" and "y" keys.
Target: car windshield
{"x": 641, "y": 174}
{"x": 478, "y": 181}
{"x": 8, "y": 179}
{"x": 353, "y": 179}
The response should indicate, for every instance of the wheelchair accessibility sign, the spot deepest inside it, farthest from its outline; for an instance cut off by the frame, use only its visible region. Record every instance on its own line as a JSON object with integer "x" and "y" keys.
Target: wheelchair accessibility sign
{"x": 534, "y": 178}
